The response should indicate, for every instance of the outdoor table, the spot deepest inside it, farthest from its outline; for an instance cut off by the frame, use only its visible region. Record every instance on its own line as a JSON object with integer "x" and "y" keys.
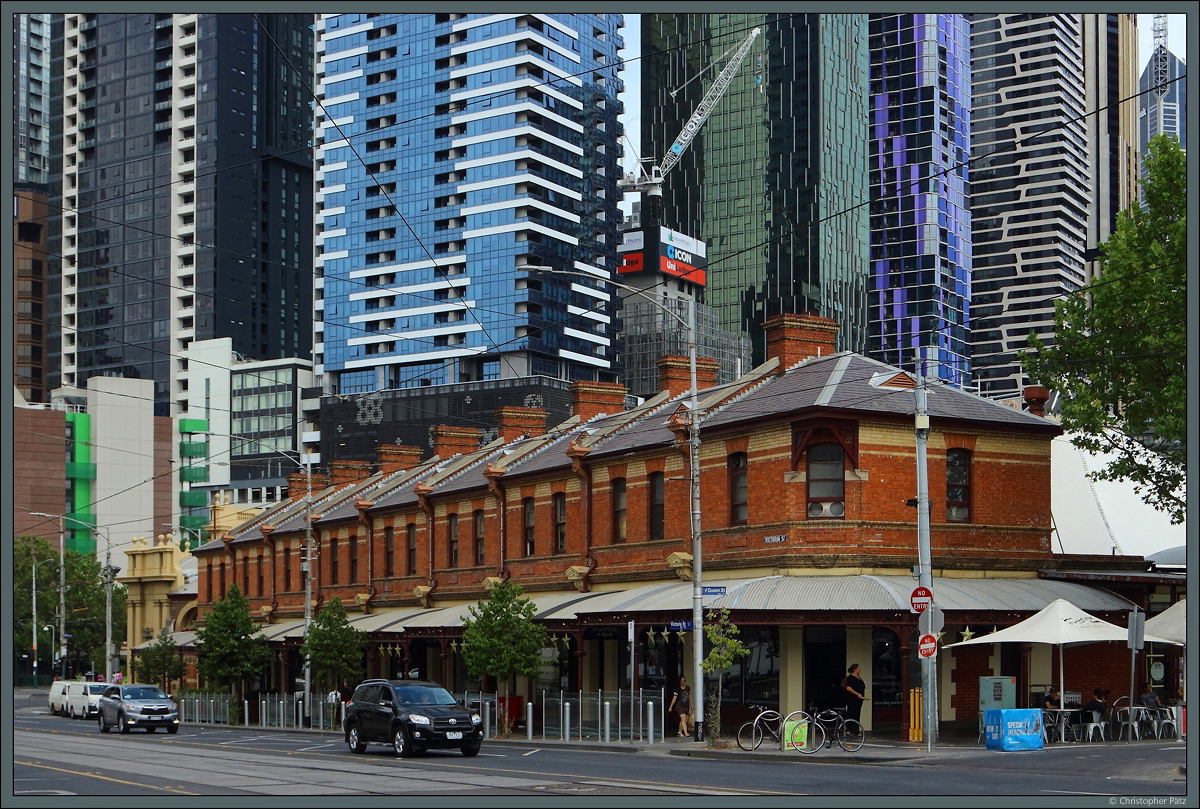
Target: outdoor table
{"x": 1061, "y": 717}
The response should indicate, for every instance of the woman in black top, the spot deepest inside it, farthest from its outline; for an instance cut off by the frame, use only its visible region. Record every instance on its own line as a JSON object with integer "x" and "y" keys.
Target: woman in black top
{"x": 856, "y": 692}
{"x": 681, "y": 705}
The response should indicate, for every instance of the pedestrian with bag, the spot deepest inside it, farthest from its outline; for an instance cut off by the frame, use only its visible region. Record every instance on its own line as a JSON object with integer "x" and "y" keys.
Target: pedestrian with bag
{"x": 681, "y": 705}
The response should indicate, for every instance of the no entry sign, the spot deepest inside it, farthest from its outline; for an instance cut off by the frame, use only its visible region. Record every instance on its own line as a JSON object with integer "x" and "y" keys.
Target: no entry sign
{"x": 920, "y": 599}
{"x": 927, "y": 646}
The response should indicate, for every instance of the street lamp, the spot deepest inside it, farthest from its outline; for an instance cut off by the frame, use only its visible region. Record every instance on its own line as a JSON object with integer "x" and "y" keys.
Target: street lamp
{"x": 305, "y": 563}
{"x": 199, "y": 537}
{"x": 35, "y": 620}
{"x": 693, "y": 473}
{"x": 62, "y": 587}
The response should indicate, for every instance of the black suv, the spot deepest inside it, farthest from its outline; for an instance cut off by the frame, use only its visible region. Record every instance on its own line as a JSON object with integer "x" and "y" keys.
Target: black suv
{"x": 412, "y": 716}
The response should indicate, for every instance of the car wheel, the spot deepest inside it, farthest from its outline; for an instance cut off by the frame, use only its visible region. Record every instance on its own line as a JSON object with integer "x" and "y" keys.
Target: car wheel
{"x": 470, "y": 751}
{"x": 352, "y": 740}
{"x": 121, "y": 722}
{"x": 400, "y": 743}
{"x": 71, "y": 712}
{"x": 100, "y": 721}
{"x": 173, "y": 729}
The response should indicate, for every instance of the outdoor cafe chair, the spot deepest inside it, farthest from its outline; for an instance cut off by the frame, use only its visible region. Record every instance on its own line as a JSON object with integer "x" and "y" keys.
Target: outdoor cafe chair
{"x": 1131, "y": 720}
{"x": 1092, "y": 726}
{"x": 1163, "y": 718}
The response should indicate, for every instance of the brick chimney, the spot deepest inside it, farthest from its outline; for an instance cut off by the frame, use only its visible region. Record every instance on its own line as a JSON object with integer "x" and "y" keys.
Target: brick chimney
{"x": 297, "y": 484}
{"x": 589, "y": 399}
{"x": 1036, "y": 397}
{"x": 394, "y": 457}
{"x": 675, "y": 373}
{"x": 449, "y": 441}
{"x": 513, "y": 422}
{"x": 793, "y": 338}
{"x": 342, "y": 473}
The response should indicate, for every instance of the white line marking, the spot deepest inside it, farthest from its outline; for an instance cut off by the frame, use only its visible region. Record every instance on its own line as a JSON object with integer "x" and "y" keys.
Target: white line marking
{"x": 531, "y": 752}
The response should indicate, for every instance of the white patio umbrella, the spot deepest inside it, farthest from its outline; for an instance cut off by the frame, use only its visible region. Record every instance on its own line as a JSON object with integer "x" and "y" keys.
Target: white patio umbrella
{"x": 1171, "y": 623}
{"x": 1060, "y": 622}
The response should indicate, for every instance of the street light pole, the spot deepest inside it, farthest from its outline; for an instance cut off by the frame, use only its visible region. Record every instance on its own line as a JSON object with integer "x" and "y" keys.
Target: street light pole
{"x": 62, "y": 587}
{"x": 693, "y": 481}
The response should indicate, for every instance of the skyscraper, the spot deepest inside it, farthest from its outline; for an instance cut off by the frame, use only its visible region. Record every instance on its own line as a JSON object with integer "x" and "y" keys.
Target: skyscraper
{"x": 1030, "y": 185}
{"x": 184, "y": 192}
{"x": 1163, "y": 111}
{"x": 775, "y": 181}
{"x": 454, "y": 151}
{"x": 920, "y": 134}
{"x": 31, "y": 98}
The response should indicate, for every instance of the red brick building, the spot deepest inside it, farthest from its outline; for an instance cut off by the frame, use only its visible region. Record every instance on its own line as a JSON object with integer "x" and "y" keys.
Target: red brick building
{"x": 806, "y": 464}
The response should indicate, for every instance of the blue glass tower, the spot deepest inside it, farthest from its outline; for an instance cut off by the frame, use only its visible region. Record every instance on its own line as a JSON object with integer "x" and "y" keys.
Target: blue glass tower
{"x": 920, "y": 214}
{"x": 454, "y": 150}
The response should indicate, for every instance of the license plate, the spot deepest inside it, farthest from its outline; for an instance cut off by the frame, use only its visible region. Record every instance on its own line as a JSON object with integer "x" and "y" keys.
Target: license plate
{"x": 157, "y": 718}
{"x": 454, "y": 734}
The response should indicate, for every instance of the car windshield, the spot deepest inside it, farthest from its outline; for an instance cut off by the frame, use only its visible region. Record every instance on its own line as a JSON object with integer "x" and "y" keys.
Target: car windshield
{"x": 424, "y": 695}
{"x": 143, "y": 692}
{"x": 98, "y": 688}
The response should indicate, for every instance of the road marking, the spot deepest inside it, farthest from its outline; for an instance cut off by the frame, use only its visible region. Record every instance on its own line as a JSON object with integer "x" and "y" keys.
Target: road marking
{"x": 172, "y": 790}
{"x": 318, "y": 747}
{"x": 531, "y": 752}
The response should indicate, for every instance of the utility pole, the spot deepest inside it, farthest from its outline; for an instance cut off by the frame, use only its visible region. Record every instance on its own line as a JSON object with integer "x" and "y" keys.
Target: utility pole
{"x": 924, "y": 555}
{"x": 697, "y": 565}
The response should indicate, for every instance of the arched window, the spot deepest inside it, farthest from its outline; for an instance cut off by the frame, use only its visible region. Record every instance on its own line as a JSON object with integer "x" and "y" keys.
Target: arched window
{"x": 738, "y": 506}
{"x": 527, "y": 510}
{"x": 558, "y": 504}
{"x": 452, "y": 540}
{"x": 655, "y": 504}
{"x": 618, "y": 509}
{"x": 826, "y": 481}
{"x": 958, "y": 485}
{"x": 477, "y": 530}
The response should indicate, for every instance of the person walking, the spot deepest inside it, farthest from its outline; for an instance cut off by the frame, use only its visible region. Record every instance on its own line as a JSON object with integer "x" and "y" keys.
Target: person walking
{"x": 681, "y": 705}
{"x": 856, "y": 692}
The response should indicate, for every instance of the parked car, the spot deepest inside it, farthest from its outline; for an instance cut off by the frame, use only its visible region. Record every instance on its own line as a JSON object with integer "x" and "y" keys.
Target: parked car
{"x": 58, "y": 697}
{"x": 412, "y": 716}
{"x": 137, "y": 706}
{"x": 83, "y": 699}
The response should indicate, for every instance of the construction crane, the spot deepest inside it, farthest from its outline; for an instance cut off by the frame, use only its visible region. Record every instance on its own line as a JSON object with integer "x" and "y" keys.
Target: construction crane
{"x": 650, "y": 184}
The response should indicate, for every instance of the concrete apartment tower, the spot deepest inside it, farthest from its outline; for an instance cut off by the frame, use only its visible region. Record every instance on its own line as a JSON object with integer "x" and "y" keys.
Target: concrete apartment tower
{"x": 1030, "y": 192}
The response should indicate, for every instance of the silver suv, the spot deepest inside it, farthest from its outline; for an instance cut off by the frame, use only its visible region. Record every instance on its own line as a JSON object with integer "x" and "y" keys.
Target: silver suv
{"x": 137, "y": 706}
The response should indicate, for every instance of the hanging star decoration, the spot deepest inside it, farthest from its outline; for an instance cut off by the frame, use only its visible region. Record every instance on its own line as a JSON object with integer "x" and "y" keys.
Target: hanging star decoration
{"x": 940, "y": 635}
{"x": 967, "y": 634}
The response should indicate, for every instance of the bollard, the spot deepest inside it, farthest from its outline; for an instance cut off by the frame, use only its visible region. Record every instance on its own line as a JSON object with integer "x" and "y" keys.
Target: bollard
{"x": 650, "y": 710}
{"x": 607, "y": 726}
{"x": 529, "y": 721}
{"x": 567, "y": 722}
{"x": 486, "y": 720}
{"x": 915, "y": 714}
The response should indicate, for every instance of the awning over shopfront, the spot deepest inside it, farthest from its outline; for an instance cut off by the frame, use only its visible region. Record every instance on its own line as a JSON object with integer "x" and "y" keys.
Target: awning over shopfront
{"x": 184, "y": 637}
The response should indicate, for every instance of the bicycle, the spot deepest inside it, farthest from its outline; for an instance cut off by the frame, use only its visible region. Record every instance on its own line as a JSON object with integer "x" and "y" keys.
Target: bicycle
{"x": 806, "y": 735}
{"x": 848, "y": 733}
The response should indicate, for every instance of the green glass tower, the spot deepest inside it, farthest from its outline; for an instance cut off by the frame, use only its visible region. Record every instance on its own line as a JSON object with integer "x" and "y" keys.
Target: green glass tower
{"x": 776, "y": 180}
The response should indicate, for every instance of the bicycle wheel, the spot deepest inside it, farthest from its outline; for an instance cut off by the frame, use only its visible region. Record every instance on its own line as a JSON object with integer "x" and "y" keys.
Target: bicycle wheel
{"x": 807, "y": 736}
{"x": 749, "y": 736}
{"x": 851, "y": 736}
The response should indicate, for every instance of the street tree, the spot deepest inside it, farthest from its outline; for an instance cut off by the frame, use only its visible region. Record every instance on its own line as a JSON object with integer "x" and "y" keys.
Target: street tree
{"x": 86, "y": 612}
{"x": 160, "y": 662}
{"x": 334, "y": 648}
{"x": 230, "y": 649}
{"x": 28, "y": 551}
{"x": 501, "y": 640}
{"x": 724, "y": 649}
{"x": 1118, "y": 356}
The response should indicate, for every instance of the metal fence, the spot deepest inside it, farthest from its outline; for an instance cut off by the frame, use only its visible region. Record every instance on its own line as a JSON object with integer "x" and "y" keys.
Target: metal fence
{"x": 612, "y": 716}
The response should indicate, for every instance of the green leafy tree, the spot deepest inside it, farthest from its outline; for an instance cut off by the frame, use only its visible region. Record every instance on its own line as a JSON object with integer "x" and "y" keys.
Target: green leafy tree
{"x": 724, "y": 649}
{"x": 1120, "y": 345}
{"x": 230, "y": 650}
{"x": 84, "y": 600}
{"x": 159, "y": 662}
{"x": 334, "y": 648}
{"x": 501, "y": 640}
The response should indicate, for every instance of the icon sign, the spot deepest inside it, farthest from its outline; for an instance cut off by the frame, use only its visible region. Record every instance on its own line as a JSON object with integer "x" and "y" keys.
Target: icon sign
{"x": 921, "y": 598}
{"x": 927, "y": 646}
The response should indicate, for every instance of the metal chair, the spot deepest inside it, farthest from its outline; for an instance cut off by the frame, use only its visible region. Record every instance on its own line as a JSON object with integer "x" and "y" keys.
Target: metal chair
{"x": 1163, "y": 718}
{"x": 1131, "y": 720}
{"x": 1088, "y": 729}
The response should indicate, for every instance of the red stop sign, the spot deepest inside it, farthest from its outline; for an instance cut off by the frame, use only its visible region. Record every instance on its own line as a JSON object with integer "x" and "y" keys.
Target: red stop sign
{"x": 927, "y": 646}
{"x": 920, "y": 599}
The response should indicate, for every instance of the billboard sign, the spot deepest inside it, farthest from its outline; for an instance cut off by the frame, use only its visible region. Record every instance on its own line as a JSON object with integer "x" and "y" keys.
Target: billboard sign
{"x": 667, "y": 251}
